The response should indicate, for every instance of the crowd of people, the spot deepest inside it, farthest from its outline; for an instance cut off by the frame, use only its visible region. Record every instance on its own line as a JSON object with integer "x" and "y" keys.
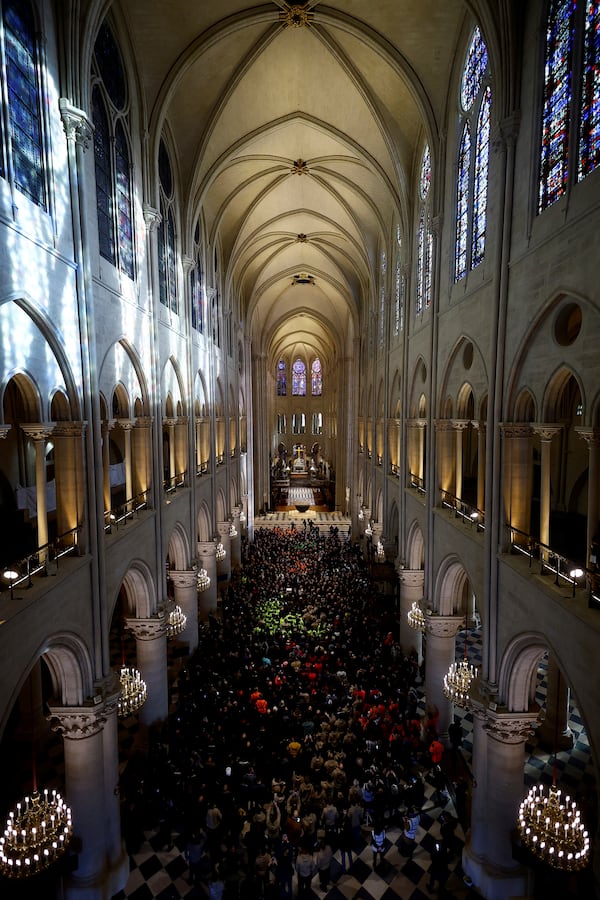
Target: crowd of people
{"x": 296, "y": 730}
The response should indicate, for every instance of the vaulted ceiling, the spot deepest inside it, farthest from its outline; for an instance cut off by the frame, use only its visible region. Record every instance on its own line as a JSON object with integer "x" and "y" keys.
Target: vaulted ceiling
{"x": 297, "y": 130}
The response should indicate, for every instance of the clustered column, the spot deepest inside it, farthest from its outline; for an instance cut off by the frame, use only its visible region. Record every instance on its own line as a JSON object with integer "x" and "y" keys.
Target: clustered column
{"x": 185, "y": 586}
{"x": 411, "y": 590}
{"x": 151, "y": 654}
{"x": 441, "y": 652}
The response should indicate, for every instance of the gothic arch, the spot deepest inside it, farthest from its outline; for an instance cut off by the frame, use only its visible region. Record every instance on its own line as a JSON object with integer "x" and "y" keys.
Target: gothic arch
{"x": 415, "y": 547}
{"x": 140, "y": 591}
{"x": 70, "y": 668}
{"x": 179, "y": 549}
{"x": 449, "y": 588}
{"x": 203, "y": 520}
{"x": 517, "y": 676}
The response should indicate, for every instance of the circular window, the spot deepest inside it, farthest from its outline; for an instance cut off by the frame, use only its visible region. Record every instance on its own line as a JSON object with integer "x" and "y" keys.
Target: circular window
{"x": 468, "y": 355}
{"x": 567, "y": 324}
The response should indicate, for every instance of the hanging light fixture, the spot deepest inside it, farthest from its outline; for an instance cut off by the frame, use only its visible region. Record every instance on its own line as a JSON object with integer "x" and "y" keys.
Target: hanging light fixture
{"x": 369, "y": 530}
{"x": 220, "y": 552}
{"x": 379, "y": 552}
{"x": 176, "y": 619}
{"x": 242, "y": 516}
{"x": 459, "y": 677}
{"x": 203, "y": 581}
{"x": 416, "y": 617}
{"x": 361, "y": 514}
{"x": 232, "y": 531}
{"x": 37, "y": 831}
{"x": 133, "y": 688}
{"x": 553, "y": 829}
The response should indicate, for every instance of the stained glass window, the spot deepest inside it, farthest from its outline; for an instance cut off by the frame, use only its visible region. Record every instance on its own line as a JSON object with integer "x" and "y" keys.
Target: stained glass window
{"x": 24, "y": 117}
{"x": 383, "y": 268}
{"x": 589, "y": 128}
{"x": 474, "y": 71}
{"x": 197, "y": 296}
{"x": 298, "y": 378}
{"x": 482, "y": 155}
{"x": 281, "y": 378}
{"x": 398, "y": 282}
{"x": 167, "y": 271}
{"x": 124, "y": 221}
{"x": 473, "y": 159}
{"x": 424, "y": 236}
{"x": 112, "y": 155}
{"x": 104, "y": 178}
{"x": 554, "y": 168}
{"x": 316, "y": 376}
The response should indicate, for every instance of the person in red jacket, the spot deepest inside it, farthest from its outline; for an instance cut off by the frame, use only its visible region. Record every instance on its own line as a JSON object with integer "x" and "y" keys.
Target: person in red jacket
{"x": 436, "y": 752}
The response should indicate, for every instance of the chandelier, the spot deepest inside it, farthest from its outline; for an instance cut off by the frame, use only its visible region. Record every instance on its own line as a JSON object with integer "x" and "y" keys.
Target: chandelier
{"x": 554, "y": 830}
{"x": 203, "y": 581}
{"x": 551, "y": 829}
{"x": 416, "y": 617}
{"x": 232, "y": 531}
{"x": 379, "y": 552}
{"x": 361, "y": 514}
{"x": 220, "y": 552}
{"x": 176, "y": 620}
{"x": 457, "y": 682}
{"x": 133, "y": 691}
{"x": 369, "y": 530}
{"x": 242, "y": 516}
{"x": 37, "y": 833}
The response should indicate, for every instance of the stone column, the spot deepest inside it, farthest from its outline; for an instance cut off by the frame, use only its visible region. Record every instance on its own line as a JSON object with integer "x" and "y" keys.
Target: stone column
{"x": 517, "y": 475}
{"x": 480, "y": 426}
{"x": 224, "y": 565}
{"x": 181, "y": 450}
{"x": 546, "y": 433}
{"x": 151, "y": 655}
{"x": 493, "y": 869}
{"x": 411, "y": 590}
{"x": 236, "y": 541}
{"x": 87, "y": 793}
{"x": 127, "y": 425}
{"x": 68, "y": 467}
{"x": 171, "y": 423}
{"x": 118, "y": 859}
{"x": 107, "y": 426}
{"x": 185, "y": 586}
{"x": 39, "y": 433}
{"x": 441, "y": 652}
{"x": 446, "y": 456}
{"x": 207, "y": 600}
{"x": 592, "y": 438}
{"x": 479, "y": 801}
{"x": 459, "y": 426}
{"x": 554, "y": 732}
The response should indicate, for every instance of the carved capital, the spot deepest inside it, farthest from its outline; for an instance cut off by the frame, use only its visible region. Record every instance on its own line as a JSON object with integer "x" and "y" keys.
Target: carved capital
{"x": 188, "y": 263}
{"x": 546, "y": 430}
{"x": 126, "y": 424}
{"x": 442, "y": 425}
{"x": 183, "y": 579}
{"x": 4, "y": 429}
{"x": 479, "y": 426}
{"x": 444, "y": 626}
{"x": 69, "y": 429}
{"x": 108, "y": 425}
{"x": 412, "y": 577}
{"x": 590, "y": 435}
{"x": 144, "y": 421}
{"x": 515, "y": 429}
{"x": 510, "y": 728}
{"x": 38, "y": 431}
{"x": 152, "y": 217}
{"x": 171, "y": 421}
{"x": 460, "y": 424}
{"x": 75, "y": 121}
{"x": 148, "y": 629}
{"x": 76, "y": 723}
{"x": 206, "y": 548}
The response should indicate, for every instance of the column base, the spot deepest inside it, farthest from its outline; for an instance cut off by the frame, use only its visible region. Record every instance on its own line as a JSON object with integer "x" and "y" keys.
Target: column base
{"x": 493, "y": 882}
{"x": 101, "y": 886}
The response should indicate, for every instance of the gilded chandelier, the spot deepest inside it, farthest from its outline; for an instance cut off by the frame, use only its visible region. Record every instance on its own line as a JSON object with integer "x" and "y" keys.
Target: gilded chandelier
{"x": 36, "y": 834}
{"x": 553, "y": 830}
{"x": 416, "y": 617}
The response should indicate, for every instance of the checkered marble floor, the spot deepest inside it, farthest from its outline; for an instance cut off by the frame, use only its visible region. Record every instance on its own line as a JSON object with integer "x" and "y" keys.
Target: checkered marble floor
{"x": 164, "y": 875}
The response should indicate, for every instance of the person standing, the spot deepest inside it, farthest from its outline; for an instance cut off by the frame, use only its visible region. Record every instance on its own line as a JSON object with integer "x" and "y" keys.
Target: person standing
{"x": 324, "y": 857}
{"x": 409, "y": 835}
{"x": 438, "y": 870}
{"x": 305, "y": 868}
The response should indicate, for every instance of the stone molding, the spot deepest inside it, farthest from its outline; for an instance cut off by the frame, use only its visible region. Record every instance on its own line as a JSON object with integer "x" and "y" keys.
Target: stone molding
{"x": 77, "y": 723}
{"x": 148, "y": 629}
{"x": 510, "y": 728}
{"x": 444, "y": 626}
{"x": 183, "y": 578}
{"x": 38, "y": 431}
{"x": 75, "y": 121}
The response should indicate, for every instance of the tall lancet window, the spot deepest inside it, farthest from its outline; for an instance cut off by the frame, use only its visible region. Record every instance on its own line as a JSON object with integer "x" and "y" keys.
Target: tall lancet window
{"x": 298, "y": 378}
{"x": 473, "y": 159}
{"x": 167, "y": 268}
{"x": 112, "y": 154}
{"x": 281, "y": 378}
{"x": 424, "y": 236}
{"x": 316, "y": 377}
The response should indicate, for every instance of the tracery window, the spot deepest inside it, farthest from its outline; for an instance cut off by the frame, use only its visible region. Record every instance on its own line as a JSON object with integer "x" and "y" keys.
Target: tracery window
{"x": 571, "y": 100}
{"x": 424, "y": 236}
{"x": 112, "y": 156}
{"x": 399, "y": 286}
{"x": 382, "y": 275}
{"x": 317, "y": 423}
{"x": 281, "y": 378}
{"x": 167, "y": 270}
{"x": 197, "y": 286}
{"x": 316, "y": 377}
{"x": 22, "y": 157}
{"x": 298, "y": 423}
{"x": 473, "y": 159}
{"x": 298, "y": 378}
